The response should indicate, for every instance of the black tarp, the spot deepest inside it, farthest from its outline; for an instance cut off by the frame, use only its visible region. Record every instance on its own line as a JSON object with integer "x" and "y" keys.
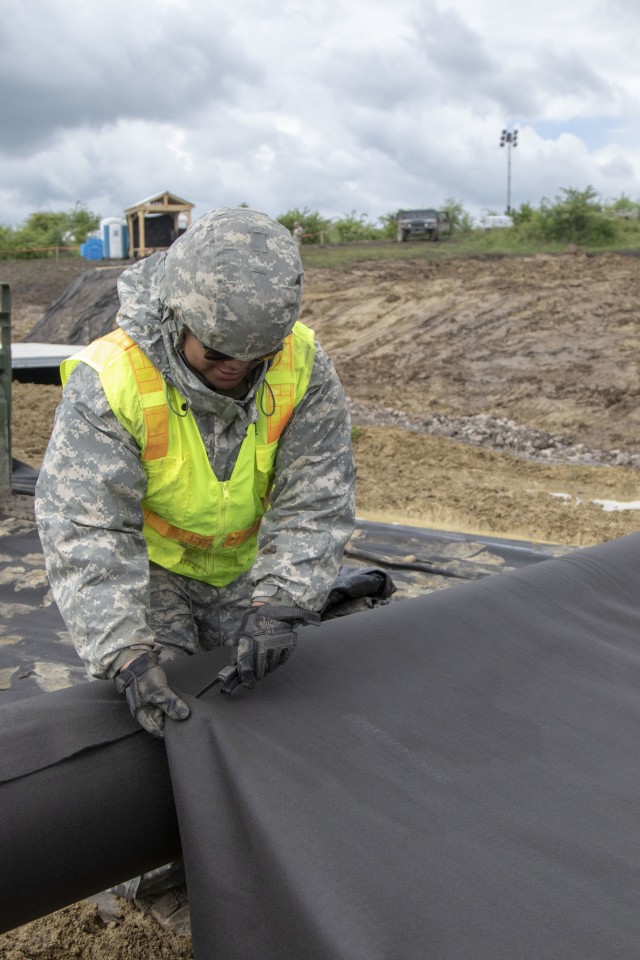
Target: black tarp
{"x": 35, "y": 650}
{"x": 23, "y": 477}
{"x": 86, "y": 310}
{"x": 455, "y": 775}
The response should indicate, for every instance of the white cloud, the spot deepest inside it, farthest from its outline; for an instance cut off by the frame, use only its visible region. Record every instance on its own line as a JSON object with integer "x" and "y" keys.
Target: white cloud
{"x": 356, "y": 105}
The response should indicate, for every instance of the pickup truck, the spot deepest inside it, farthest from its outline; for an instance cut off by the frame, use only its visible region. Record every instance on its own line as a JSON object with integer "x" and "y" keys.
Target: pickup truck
{"x": 427, "y": 224}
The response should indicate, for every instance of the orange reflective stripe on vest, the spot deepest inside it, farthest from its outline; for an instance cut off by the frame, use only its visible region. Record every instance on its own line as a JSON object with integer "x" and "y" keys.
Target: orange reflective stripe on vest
{"x": 191, "y": 539}
{"x": 150, "y": 386}
{"x": 166, "y": 529}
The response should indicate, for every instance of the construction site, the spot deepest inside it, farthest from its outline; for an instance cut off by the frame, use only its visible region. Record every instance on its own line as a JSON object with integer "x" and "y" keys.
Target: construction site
{"x": 494, "y": 405}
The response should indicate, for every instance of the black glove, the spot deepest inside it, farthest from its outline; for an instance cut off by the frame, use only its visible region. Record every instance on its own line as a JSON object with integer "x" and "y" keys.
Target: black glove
{"x": 150, "y": 698}
{"x": 266, "y": 638}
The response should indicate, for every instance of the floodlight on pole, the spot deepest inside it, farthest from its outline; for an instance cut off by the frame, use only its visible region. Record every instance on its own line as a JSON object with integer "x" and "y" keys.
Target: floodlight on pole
{"x": 509, "y": 139}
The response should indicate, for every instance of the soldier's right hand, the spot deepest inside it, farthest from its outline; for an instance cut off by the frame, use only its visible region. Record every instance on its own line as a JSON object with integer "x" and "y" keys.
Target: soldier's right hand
{"x": 148, "y": 694}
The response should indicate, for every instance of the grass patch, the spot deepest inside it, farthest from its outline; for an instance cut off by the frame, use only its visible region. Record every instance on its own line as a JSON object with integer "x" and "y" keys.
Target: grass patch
{"x": 493, "y": 243}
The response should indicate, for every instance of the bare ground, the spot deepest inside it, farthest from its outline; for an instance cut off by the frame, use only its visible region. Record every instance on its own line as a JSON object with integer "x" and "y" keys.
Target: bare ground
{"x": 543, "y": 347}
{"x": 490, "y": 350}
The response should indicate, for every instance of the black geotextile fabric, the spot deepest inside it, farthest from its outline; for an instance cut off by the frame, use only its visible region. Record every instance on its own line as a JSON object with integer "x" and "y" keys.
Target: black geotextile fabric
{"x": 452, "y": 776}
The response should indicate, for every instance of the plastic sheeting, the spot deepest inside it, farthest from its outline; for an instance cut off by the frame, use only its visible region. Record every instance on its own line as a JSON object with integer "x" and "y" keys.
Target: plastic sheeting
{"x": 455, "y": 775}
{"x": 37, "y": 655}
{"x": 86, "y": 310}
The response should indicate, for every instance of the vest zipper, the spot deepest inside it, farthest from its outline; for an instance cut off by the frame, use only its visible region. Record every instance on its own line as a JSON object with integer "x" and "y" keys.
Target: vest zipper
{"x": 226, "y": 498}
{"x": 214, "y": 557}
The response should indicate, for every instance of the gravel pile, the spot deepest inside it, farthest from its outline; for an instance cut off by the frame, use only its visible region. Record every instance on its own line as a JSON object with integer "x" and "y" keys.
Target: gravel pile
{"x": 497, "y": 433}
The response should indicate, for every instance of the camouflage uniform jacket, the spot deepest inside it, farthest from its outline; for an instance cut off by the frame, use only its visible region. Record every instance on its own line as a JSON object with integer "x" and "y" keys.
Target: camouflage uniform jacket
{"x": 91, "y": 484}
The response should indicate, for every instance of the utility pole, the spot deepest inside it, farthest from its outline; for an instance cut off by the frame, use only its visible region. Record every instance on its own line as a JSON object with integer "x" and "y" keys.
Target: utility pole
{"x": 509, "y": 139}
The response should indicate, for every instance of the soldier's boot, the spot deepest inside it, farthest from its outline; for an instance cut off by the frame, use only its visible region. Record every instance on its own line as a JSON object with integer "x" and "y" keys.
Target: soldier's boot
{"x": 170, "y": 909}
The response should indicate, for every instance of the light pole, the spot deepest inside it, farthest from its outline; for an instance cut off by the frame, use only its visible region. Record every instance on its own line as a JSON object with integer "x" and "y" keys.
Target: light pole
{"x": 509, "y": 139}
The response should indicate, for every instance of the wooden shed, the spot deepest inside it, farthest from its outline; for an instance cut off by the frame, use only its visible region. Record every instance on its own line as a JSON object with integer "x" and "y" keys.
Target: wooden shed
{"x": 156, "y": 222}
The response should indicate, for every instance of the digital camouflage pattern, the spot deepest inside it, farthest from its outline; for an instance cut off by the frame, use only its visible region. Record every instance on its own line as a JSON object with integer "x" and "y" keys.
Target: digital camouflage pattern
{"x": 235, "y": 279}
{"x": 239, "y": 272}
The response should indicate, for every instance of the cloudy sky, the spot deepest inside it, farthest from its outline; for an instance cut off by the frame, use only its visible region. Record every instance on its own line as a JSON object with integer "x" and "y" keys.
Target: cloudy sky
{"x": 332, "y": 105}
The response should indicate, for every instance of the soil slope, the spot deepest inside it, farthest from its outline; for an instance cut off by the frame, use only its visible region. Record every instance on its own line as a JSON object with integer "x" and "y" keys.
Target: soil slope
{"x": 546, "y": 343}
{"x": 549, "y": 343}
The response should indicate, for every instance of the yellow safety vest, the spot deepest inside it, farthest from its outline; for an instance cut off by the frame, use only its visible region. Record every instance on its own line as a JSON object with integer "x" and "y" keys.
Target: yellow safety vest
{"x": 195, "y": 524}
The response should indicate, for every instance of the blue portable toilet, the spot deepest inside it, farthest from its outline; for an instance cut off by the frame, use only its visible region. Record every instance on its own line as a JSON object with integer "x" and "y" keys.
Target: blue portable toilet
{"x": 115, "y": 238}
{"x": 91, "y": 249}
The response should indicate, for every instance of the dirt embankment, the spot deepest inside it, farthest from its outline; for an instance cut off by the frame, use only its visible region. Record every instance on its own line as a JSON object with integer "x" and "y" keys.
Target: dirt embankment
{"x": 548, "y": 343}
{"x": 551, "y": 342}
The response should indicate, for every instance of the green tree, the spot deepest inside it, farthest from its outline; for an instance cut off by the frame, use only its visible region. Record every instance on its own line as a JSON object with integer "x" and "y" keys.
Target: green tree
{"x": 623, "y": 208}
{"x": 389, "y": 225}
{"x": 523, "y": 215}
{"x": 45, "y": 229}
{"x": 80, "y": 222}
{"x": 576, "y": 217}
{"x": 54, "y": 229}
{"x": 354, "y": 227}
{"x": 7, "y": 243}
{"x": 315, "y": 228}
{"x": 460, "y": 220}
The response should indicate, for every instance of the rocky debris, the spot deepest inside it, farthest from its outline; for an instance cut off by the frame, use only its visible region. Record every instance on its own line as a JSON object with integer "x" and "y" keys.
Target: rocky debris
{"x": 496, "y": 433}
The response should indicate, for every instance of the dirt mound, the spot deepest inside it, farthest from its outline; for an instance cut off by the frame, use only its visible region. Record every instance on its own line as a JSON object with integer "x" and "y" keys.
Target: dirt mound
{"x": 550, "y": 342}
{"x": 82, "y": 931}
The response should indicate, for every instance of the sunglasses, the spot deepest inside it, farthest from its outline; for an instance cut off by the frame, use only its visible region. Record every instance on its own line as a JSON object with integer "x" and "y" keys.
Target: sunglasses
{"x": 217, "y": 357}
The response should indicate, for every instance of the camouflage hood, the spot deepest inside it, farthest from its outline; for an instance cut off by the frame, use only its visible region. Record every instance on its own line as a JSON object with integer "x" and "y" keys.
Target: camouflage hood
{"x": 234, "y": 279}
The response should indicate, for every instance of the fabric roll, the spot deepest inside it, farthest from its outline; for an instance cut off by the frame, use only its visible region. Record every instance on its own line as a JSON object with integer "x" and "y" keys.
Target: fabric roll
{"x": 85, "y": 800}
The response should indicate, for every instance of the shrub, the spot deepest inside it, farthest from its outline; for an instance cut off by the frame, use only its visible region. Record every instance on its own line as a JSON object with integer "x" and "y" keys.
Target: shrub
{"x": 575, "y": 218}
{"x": 315, "y": 228}
{"x": 354, "y": 227}
{"x": 44, "y": 229}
